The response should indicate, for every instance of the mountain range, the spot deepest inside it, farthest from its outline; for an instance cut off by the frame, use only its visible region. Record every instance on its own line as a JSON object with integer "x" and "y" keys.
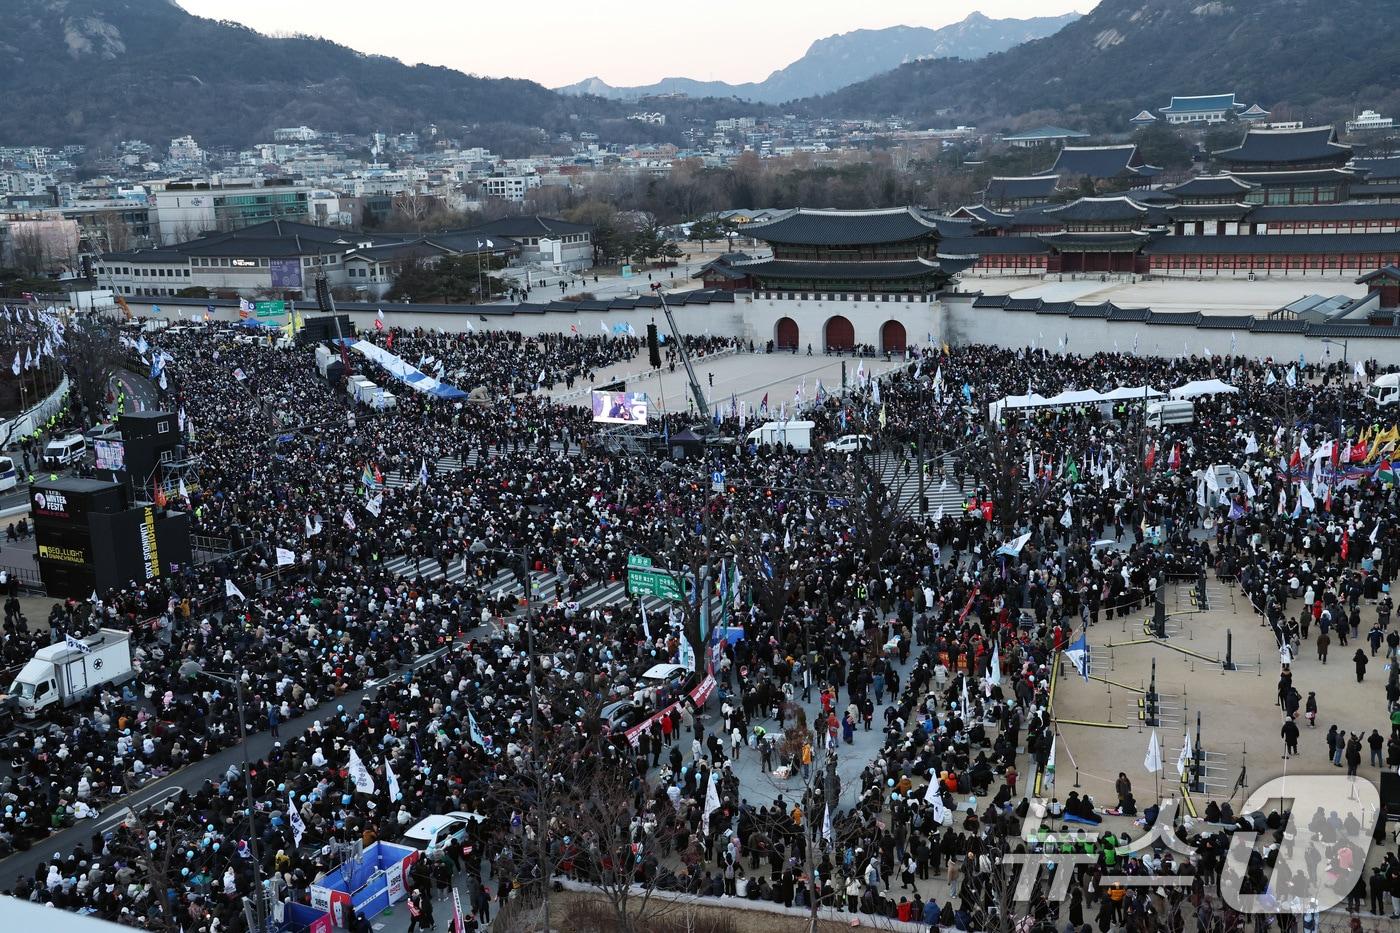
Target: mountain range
{"x": 101, "y": 70}
{"x": 1298, "y": 55}
{"x": 839, "y": 60}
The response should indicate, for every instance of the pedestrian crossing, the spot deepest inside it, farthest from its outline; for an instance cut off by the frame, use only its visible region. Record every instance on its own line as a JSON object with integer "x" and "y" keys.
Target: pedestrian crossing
{"x": 942, "y": 491}
{"x": 546, "y": 586}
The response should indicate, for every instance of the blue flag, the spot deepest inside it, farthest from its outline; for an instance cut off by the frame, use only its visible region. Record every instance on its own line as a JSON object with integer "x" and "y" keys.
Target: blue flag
{"x": 1078, "y": 654}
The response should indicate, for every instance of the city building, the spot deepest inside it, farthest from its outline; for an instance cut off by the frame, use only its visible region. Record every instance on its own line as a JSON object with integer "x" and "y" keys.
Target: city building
{"x": 1369, "y": 120}
{"x": 185, "y": 151}
{"x": 507, "y": 187}
{"x": 547, "y": 241}
{"x": 185, "y": 209}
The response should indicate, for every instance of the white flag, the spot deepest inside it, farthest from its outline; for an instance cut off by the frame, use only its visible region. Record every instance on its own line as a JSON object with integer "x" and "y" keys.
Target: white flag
{"x": 77, "y": 644}
{"x": 184, "y": 491}
{"x": 375, "y": 505}
{"x": 1360, "y": 371}
{"x": 1184, "y": 758}
{"x": 285, "y": 557}
{"x": 646, "y": 627}
{"x": 349, "y": 520}
{"x": 1153, "y": 761}
{"x": 1292, "y": 377}
{"x": 364, "y": 782}
{"x": 711, "y": 801}
{"x": 394, "y": 792}
{"x": 994, "y": 672}
{"x": 1305, "y": 496}
{"x": 294, "y": 819}
{"x": 230, "y": 590}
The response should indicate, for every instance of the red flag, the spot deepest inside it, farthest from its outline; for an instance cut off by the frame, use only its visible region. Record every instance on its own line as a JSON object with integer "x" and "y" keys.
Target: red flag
{"x": 1294, "y": 460}
{"x": 1327, "y": 503}
{"x": 389, "y": 340}
{"x": 378, "y": 477}
{"x": 1337, "y": 452}
{"x": 1346, "y": 545}
{"x": 379, "y": 320}
{"x": 1174, "y": 461}
{"x": 1151, "y": 460}
{"x": 160, "y": 497}
{"x": 987, "y": 509}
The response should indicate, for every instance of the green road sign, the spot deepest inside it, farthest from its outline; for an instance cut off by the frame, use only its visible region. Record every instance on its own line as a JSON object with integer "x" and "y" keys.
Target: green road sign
{"x": 638, "y": 560}
{"x": 270, "y": 308}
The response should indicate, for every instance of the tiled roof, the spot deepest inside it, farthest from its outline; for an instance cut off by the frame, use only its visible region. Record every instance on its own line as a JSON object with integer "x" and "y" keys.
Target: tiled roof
{"x": 840, "y": 271}
{"x": 1098, "y": 210}
{"x": 1208, "y": 103}
{"x": 844, "y": 228}
{"x": 1226, "y": 321}
{"x": 1100, "y": 161}
{"x": 1207, "y": 186}
{"x": 1019, "y": 189}
{"x": 1175, "y": 318}
{"x": 1309, "y": 144}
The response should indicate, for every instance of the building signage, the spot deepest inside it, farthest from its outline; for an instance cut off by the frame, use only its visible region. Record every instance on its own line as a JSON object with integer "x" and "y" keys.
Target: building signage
{"x": 51, "y": 502}
{"x": 244, "y": 263}
{"x": 67, "y": 555}
{"x": 150, "y": 555}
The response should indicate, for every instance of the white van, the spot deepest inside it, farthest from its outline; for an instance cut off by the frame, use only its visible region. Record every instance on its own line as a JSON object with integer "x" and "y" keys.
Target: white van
{"x": 1170, "y": 411}
{"x": 9, "y": 476}
{"x": 65, "y": 451}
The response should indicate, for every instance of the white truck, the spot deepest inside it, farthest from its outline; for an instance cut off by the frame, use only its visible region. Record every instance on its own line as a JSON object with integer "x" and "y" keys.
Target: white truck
{"x": 796, "y": 433}
{"x": 64, "y": 673}
{"x": 1385, "y": 390}
{"x": 1170, "y": 411}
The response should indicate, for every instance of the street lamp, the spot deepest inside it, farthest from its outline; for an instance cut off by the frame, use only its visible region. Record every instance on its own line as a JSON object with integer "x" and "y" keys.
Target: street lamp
{"x": 1337, "y": 341}
{"x": 260, "y": 920}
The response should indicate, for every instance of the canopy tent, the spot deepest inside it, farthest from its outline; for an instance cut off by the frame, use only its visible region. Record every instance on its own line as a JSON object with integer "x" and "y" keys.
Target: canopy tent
{"x": 1203, "y": 387}
{"x": 1070, "y": 398}
{"x": 409, "y": 375}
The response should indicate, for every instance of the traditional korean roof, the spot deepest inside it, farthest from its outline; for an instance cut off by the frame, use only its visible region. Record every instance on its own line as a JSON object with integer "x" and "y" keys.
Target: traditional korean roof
{"x": 884, "y": 271}
{"x": 1208, "y": 211}
{"x": 1255, "y": 112}
{"x": 1144, "y": 116}
{"x": 1318, "y": 213}
{"x": 1205, "y": 103}
{"x": 1210, "y": 186}
{"x": 807, "y": 227}
{"x": 1020, "y": 189}
{"x": 1309, "y": 144}
{"x": 1096, "y": 242}
{"x": 1101, "y": 162}
{"x": 1378, "y": 169}
{"x": 1386, "y": 272}
{"x": 1098, "y": 210}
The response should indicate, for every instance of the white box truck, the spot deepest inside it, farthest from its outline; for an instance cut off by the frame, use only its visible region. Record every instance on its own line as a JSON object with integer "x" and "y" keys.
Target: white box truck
{"x": 1170, "y": 411}
{"x": 63, "y": 673}
{"x": 1385, "y": 390}
{"x": 796, "y": 433}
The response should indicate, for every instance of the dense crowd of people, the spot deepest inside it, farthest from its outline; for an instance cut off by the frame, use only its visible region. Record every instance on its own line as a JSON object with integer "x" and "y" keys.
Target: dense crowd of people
{"x": 858, "y": 610}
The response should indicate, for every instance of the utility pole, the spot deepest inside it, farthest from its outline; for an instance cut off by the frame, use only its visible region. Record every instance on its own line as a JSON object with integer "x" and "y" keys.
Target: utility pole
{"x": 259, "y": 915}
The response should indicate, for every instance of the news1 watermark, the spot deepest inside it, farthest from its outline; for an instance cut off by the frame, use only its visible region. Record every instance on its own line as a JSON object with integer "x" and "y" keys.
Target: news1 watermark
{"x": 1311, "y": 866}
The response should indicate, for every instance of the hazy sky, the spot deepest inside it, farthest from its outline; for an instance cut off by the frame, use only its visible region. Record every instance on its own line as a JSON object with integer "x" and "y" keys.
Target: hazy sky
{"x": 624, "y": 42}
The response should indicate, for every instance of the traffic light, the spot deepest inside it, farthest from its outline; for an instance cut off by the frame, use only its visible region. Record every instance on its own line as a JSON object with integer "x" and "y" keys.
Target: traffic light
{"x": 653, "y": 348}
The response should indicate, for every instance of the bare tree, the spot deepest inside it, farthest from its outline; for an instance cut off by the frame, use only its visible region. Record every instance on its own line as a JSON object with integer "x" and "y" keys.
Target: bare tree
{"x": 90, "y": 354}
{"x": 31, "y": 252}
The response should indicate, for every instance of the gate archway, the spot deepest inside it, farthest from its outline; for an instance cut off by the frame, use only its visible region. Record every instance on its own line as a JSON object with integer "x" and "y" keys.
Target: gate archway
{"x": 892, "y": 337}
{"x": 840, "y": 333}
{"x": 785, "y": 334}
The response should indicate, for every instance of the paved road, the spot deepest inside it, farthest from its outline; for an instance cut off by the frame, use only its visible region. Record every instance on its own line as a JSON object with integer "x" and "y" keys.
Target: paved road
{"x": 190, "y": 778}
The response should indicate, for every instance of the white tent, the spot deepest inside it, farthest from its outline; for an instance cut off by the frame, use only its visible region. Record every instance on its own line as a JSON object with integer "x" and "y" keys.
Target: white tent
{"x": 1068, "y": 399}
{"x": 1203, "y": 387}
